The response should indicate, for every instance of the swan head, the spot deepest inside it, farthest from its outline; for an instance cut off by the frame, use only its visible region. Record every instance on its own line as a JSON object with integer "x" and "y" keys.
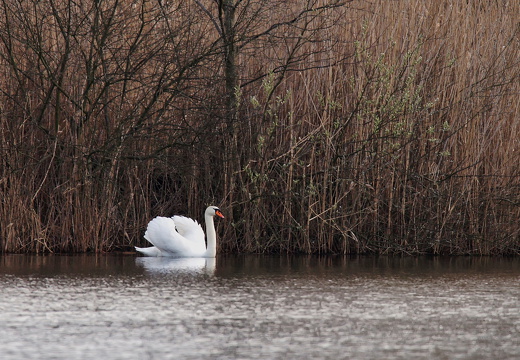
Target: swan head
{"x": 213, "y": 210}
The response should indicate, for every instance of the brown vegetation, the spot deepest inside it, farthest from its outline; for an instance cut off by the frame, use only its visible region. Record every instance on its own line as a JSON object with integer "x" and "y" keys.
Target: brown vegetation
{"x": 323, "y": 126}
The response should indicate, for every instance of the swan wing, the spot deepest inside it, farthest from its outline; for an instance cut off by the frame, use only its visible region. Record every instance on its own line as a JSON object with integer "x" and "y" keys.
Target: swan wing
{"x": 164, "y": 235}
{"x": 190, "y": 229}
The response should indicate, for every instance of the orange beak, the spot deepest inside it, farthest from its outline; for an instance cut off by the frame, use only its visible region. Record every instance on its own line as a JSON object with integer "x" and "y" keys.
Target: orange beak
{"x": 219, "y": 214}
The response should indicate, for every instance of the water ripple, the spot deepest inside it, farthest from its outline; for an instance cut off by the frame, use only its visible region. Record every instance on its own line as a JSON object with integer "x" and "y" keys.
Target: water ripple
{"x": 156, "y": 309}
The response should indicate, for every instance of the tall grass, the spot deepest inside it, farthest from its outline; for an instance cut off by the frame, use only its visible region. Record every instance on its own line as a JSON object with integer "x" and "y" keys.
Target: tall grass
{"x": 385, "y": 127}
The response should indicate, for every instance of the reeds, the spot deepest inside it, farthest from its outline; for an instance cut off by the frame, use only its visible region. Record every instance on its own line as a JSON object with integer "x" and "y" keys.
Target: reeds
{"x": 386, "y": 127}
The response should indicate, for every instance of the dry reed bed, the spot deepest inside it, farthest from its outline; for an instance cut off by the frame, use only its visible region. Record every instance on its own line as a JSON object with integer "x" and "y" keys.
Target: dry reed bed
{"x": 385, "y": 127}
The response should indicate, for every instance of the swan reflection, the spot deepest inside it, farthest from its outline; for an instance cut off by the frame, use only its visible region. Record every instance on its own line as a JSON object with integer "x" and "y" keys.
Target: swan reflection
{"x": 168, "y": 265}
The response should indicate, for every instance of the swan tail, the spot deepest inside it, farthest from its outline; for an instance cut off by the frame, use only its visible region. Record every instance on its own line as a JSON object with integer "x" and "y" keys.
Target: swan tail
{"x": 149, "y": 251}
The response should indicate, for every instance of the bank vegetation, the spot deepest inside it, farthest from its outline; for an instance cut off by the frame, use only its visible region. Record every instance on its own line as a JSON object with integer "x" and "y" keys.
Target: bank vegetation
{"x": 318, "y": 126}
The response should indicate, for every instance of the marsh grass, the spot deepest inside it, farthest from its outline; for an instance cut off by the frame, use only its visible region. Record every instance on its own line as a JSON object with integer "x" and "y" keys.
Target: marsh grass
{"x": 392, "y": 128}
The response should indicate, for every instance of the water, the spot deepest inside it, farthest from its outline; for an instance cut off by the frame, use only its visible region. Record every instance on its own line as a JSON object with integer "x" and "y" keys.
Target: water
{"x": 259, "y": 307}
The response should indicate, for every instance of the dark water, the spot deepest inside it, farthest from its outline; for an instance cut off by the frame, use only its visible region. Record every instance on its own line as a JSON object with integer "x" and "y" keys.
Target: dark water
{"x": 257, "y": 307}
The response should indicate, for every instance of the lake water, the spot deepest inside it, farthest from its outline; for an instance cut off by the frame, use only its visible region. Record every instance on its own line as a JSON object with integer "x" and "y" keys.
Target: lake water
{"x": 259, "y": 307}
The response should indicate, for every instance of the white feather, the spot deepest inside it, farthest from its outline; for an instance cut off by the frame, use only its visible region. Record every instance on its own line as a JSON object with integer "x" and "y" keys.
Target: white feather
{"x": 189, "y": 228}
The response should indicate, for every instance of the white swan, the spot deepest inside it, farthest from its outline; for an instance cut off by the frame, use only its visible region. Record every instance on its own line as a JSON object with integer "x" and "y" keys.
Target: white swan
{"x": 180, "y": 236}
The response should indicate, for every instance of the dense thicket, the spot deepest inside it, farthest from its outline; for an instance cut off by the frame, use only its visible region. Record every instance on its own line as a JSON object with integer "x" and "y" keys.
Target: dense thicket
{"x": 317, "y": 126}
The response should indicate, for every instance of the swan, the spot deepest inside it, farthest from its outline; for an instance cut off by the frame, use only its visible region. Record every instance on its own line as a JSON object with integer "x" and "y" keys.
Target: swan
{"x": 181, "y": 236}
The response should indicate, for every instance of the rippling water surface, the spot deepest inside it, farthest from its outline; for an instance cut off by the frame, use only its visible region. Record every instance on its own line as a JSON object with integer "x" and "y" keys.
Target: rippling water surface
{"x": 258, "y": 307}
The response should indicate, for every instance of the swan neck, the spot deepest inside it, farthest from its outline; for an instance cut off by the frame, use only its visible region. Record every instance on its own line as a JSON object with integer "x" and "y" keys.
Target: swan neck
{"x": 211, "y": 237}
